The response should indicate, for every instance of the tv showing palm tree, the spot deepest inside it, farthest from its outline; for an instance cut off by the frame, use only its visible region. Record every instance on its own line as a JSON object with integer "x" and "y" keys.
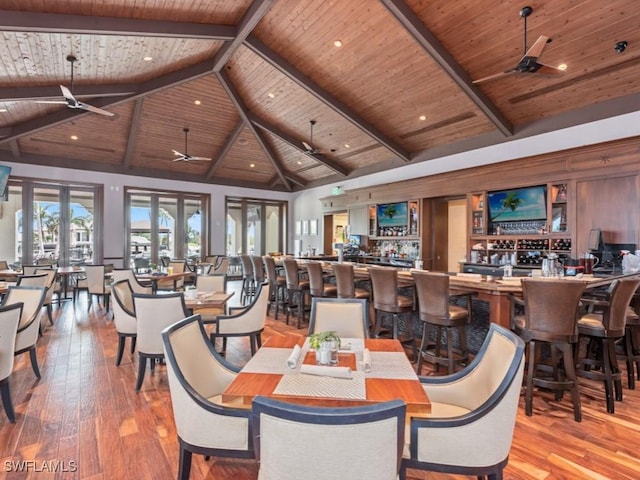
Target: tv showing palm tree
{"x": 393, "y": 214}
{"x": 518, "y": 205}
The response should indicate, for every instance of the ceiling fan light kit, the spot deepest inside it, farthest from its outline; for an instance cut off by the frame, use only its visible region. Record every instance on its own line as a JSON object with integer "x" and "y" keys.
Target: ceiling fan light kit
{"x": 620, "y": 46}
{"x": 309, "y": 148}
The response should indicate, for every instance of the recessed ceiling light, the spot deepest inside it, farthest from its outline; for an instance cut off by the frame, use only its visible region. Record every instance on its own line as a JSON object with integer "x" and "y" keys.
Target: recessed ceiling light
{"x": 242, "y": 141}
{"x": 270, "y": 95}
{"x": 197, "y": 102}
{"x": 299, "y": 162}
{"x": 346, "y": 145}
{"x": 3, "y": 110}
{"x": 74, "y": 137}
{"x": 562, "y": 66}
{"x": 252, "y": 165}
{"x": 423, "y": 117}
{"x": 338, "y": 43}
{"x": 147, "y": 59}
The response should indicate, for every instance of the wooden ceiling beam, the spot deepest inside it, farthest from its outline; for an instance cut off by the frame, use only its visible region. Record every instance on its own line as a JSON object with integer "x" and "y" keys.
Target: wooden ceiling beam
{"x": 13, "y": 21}
{"x": 250, "y": 19}
{"x": 296, "y": 144}
{"x": 224, "y": 151}
{"x": 428, "y": 41}
{"x": 258, "y": 47}
{"x": 11, "y": 94}
{"x": 133, "y": 133}
{"x": 234, "y": 96}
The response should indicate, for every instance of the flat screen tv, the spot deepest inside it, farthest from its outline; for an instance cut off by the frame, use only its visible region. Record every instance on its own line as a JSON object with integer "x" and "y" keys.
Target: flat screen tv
{"x": 393, "y": 214}
{"x": 4, "y": 180}
{"x": 518, "y": 205}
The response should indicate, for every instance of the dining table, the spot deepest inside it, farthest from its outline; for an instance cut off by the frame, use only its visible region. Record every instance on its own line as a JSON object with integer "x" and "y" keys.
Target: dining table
{"x": 386, "y": 374}
{"x": 155, "y": 277}
{"x": 207, "y": 300}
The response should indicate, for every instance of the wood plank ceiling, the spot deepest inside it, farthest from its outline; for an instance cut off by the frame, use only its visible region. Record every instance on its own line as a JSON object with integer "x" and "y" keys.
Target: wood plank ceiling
{"x": 246, "y": 78}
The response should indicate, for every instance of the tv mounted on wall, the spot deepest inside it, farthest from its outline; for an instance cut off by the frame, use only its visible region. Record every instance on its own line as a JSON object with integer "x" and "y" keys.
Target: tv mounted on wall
{"x": 518, "y": 204}
{"x": 393, "y": 214}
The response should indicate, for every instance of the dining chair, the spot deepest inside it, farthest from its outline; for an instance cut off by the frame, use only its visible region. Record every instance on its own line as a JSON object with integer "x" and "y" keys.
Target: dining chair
{"x": 473, "y": 412}
{"x": 32, "y": 300}
{"x": 9, "y": 318}
{"x": 210, "y": 284}
{"x": 278, "y": 284}
{"x": 124, "y": 316}
{"x": 345, "y": 282}
{"x": 221, "y": 267}
{"x": 388, "y": 301}
{"x": 97, "y": 285}
{"x": 4, "y": 265}
{"x": 601, "y": 328}
{"x": 178, "y": 266}
{"x": 153, "y": 314}
{"x": 437, "y": 312}
{"x": 317, "y": 286}
{"x": 31, "y": 269}
{"x": 120, "y": 274}
{"x": 52, "y": 287}
{"x": 297, "y": 290}
{"x": 249, "y": 322}
{"x": 247, "y": 291}
{"x": 294, "y": 441}
{"x": 348, "y": 317}
{"x": 549, "y": 323}
{"x": 197, "y": 377}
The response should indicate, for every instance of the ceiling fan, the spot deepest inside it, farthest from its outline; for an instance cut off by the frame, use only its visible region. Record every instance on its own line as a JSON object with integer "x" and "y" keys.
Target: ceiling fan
{"x": 529, "y": 61}
{"x": 310, "y": 149}
{"x": 70, "y": 100}
{"x": 185, "y": 157}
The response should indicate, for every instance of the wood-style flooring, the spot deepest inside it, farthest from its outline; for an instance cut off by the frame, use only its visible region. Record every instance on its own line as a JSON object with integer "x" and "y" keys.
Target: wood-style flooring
{"x": 84, "y": 419}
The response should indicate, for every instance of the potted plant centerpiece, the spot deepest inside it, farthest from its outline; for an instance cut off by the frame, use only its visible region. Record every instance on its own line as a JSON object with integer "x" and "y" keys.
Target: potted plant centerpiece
{"x": 326, "y": 345}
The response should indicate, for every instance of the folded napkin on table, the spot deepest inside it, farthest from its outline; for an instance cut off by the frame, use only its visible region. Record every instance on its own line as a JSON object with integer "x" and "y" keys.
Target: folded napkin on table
{"x": 366, "y": 360}
{"x": 292, "y": 361}
{"x": 336, "y": 372}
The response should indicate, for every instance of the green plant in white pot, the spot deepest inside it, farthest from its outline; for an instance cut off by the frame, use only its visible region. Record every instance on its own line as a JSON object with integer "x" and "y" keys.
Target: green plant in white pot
{"x": 326, "y": 345}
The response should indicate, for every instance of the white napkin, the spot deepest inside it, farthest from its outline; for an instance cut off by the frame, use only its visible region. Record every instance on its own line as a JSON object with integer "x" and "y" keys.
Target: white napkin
{"x": 324, "y": 371}
{"x": 292, "y": 361}
{"x": 366, "y": 360}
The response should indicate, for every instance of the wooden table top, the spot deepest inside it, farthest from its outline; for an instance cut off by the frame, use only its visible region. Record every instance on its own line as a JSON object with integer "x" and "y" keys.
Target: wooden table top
{"x": 208, "y": 300}
{"x": 247, "y": 385}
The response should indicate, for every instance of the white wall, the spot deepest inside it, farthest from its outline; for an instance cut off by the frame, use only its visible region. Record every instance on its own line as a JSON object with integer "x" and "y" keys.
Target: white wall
{"x": 114, "y": 184}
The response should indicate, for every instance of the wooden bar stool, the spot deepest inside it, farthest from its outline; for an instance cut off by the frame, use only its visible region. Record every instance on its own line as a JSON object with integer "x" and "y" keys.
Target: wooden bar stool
{"x": 435, "y": 310}
{"x": 386, "y": 300}
{"x": 296, "y": 290}
{"x": 550, "y": 319}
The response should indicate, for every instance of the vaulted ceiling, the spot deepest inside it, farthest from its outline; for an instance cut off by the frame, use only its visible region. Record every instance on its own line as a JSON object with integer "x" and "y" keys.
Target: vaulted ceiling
{"x": 247, "y": 78}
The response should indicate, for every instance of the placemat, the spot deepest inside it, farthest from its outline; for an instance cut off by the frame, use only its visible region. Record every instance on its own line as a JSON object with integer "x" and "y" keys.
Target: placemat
{"x": 301, "y": 385}
{"x": 392, "y": 365}
{"x": 271, "y": 360}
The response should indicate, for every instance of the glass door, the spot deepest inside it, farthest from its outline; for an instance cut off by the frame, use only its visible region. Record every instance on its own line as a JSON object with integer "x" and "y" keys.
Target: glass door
{"x": 46, "y": 236}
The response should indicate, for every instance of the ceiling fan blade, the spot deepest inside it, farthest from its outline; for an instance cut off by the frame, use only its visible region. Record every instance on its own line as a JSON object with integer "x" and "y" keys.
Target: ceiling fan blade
{"x": 181, "y": 158}
{"x": 549, "y": 70}
{"x": 204, "y": 159}
{"x": 91, "y": 108}
{"x": 63, "y": 102}
{"x": 494, "y": 76}
{"x": 66, "y": 93}
{"x": 536, "y": 49}
{"x": 178, "y": 154}
{"x": 307, "y": 147}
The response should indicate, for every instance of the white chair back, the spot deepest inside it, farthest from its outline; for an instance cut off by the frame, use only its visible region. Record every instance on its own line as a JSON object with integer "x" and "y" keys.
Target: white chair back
{"x": 120, "y": 274}
{"x": 221, "y": 266}
{"x": 124, "y": 316}
{"x": 95, "y": 279}
{"x": 9, "y": 318}
{"x": 348, "y": 317}
{"x": 212, "y": 283}
{"x": 154, "y": 313}
{"x": 251, "y": 319}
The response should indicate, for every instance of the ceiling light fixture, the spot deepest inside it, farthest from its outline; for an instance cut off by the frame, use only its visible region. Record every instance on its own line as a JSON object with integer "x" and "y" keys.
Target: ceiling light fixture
{"x": 147, "y": 59}
{"x": 252, "y": 165}
{"x": 562, "y": 66}
{"x": 338, "y": 43}
{"x": 620, "y": 46}
{"x": 74, "y": 137}
{"x": 299, "y": 162}
{"x": 270, "y": 95}
{"x": 346, "y": 145}
{"x": 423, "y": 117}
{"x": 2, "y": 110}
{"x": 197, "y": 102}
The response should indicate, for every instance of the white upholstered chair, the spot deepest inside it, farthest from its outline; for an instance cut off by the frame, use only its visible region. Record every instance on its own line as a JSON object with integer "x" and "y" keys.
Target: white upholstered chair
{"x": 249, "y": 322}
{"x": 96, "y": 284}
{"x": 178, "y": 266}
{"x": 473, "y": 412}
{"x": 153, "y": 314}
{"x": 124, "y": 315}
{"x": 221, "y": 267}
{"x": 32, "y": 299}
{"x": 210, "y": 284}
{"x": 348, "y": 317}
{"x": 128, "y": 274}
{"x": 197, "y": 378}
{"x": 53, "y": 287}
{"x": 296, "y": 441}
{"x": 9, "y": 319}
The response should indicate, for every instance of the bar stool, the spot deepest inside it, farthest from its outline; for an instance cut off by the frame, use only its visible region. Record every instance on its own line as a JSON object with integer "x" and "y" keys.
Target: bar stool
{"x": 278, "y": 284}
{"x": 550, "y": 318}
{"x": 248, "y": 282}
{"x": 386, "y": 300}
{"x": 603, "y": 327}
{"x": 631, "y": 347}
{"x": 345, "y": 282}
{"x": 435, "y": 310}
{"x": 296, "y": 289}
{"x": 317, "y": 286}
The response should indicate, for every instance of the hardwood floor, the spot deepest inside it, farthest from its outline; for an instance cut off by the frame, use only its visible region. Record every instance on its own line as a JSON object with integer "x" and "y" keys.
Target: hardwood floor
{"x": 84, "y": 420}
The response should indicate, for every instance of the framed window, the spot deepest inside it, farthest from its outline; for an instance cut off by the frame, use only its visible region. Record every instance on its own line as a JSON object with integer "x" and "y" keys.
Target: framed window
{"x": 313, "y": 227}
{"x": 305, "y": 227}
{"x": 298, "y": 228}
